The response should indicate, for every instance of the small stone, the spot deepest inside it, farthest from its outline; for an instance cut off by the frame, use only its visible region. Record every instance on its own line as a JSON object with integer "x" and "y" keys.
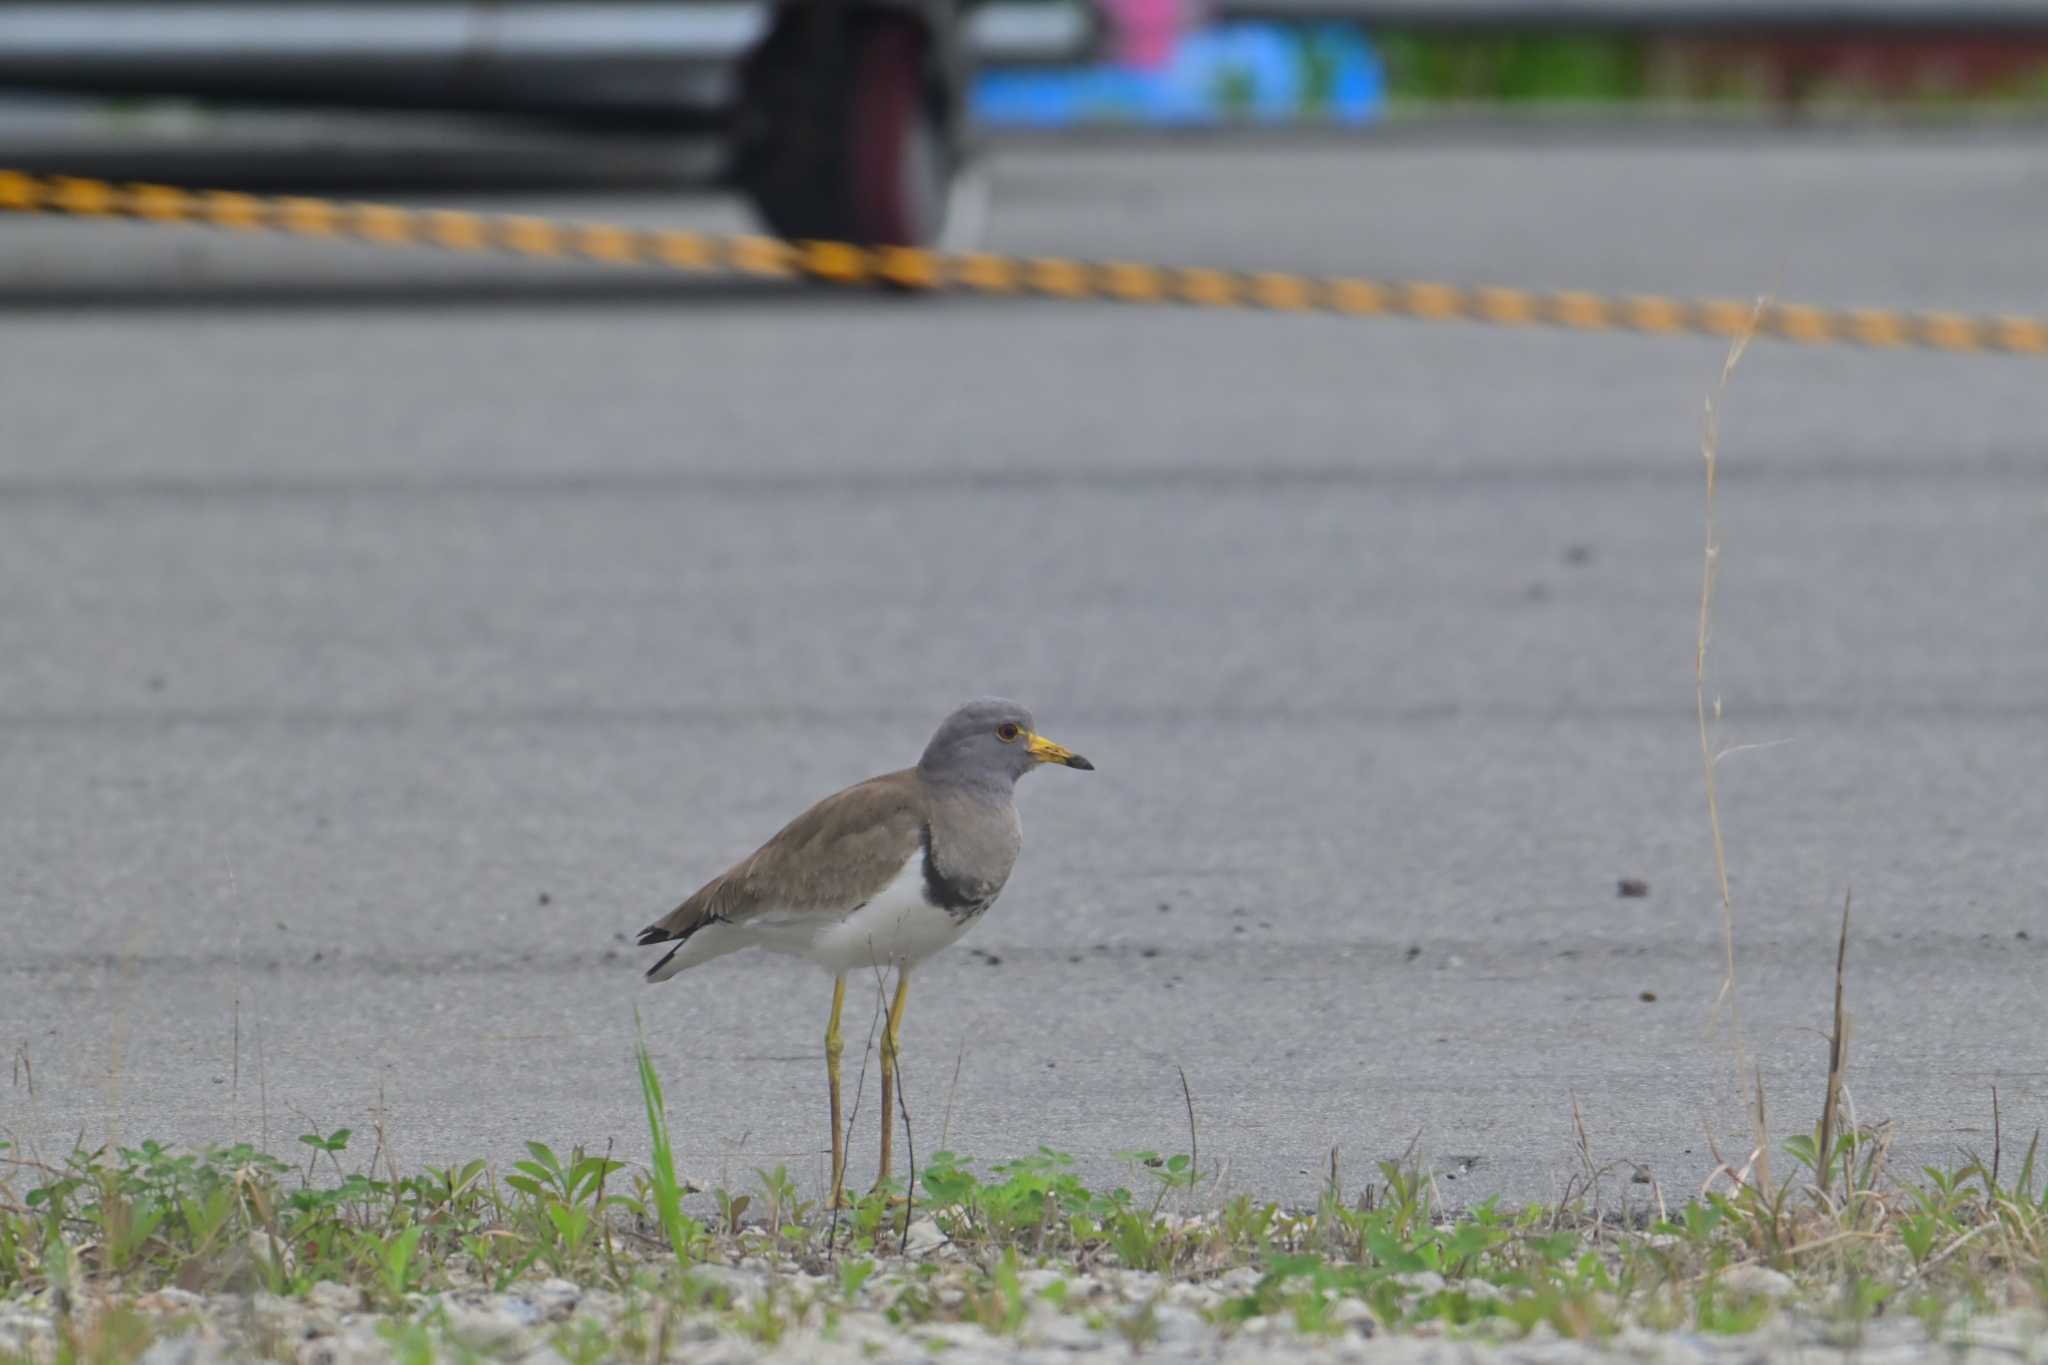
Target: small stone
{"x": 333, "y": 1297}
{"x": 1132, "y": 1286}
{"x": 1752, "y": 1281}
{"x": 555, "y": 1298}
{"x": 544, "y": 1355}
{"x": 483, "y": 1329}
{"x": 179, "y": 1350}
{"x": 735, "y": 1282}
{"x": 924, "y": 1238}
{"x": 515, "y": 1308}
{"x": 695, "y": 1331}
{"x": 608, "y": 1306}
{"x": 1633, "y": 888}
{"x": 1180, "y": 1326}
{"x": 330, "y": 1351}
{"x": 1236, "y": 1283}
{"x": 1038, "y": 1279}
{"x": 1063, "y": 1330}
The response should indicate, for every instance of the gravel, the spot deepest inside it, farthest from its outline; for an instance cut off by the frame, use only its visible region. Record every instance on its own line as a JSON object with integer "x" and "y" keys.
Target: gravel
{"x": 1102, "y": 1316}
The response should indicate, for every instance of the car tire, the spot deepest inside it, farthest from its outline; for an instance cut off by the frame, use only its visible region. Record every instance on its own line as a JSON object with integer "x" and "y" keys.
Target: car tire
{"x": 846, "y": 140}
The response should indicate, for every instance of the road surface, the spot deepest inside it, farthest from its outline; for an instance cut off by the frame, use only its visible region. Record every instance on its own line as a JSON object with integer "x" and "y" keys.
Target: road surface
{"x": 387, "y": 637}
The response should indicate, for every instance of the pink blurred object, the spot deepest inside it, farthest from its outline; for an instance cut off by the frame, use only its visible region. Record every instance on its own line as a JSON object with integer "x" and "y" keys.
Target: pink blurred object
{"x": 1146, "y": 30}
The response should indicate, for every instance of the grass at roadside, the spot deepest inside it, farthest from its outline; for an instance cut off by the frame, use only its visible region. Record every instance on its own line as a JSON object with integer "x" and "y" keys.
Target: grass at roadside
{"x": 1840, "y": 1236}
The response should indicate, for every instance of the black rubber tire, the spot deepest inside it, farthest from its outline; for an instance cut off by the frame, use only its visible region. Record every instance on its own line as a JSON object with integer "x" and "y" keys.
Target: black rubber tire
{"x": 844, "y": 140}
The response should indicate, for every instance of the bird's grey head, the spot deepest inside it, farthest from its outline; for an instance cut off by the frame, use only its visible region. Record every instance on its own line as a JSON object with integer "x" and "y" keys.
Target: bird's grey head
{"x": 991, "y": 742}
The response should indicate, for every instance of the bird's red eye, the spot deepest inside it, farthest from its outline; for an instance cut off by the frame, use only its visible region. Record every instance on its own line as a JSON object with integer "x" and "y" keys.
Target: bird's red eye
{"x": 1007, "y": 733}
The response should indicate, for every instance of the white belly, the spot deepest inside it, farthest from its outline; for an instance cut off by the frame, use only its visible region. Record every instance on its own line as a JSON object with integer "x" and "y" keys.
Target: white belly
{"x": 898, "y": 925}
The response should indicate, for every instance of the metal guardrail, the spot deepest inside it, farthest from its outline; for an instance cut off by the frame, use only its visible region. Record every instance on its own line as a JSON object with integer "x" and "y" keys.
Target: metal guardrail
{"x": 45, "y": 36}
{"x": 601, "y": 57}
{"x": 437, "y": 56}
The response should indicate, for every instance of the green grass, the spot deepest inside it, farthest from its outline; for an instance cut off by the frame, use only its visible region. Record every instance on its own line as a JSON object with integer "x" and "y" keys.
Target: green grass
{"x": 1839, "y": 1238}
{"x": 1513, "y": 68}
{"x": 1426, "y": 67}
{"x": 114, "y": 1223}
{"x": 683, "y": 1233}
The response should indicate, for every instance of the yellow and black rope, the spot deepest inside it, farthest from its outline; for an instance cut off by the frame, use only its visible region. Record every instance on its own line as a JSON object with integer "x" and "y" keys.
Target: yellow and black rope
{"x": 986, "y": 273}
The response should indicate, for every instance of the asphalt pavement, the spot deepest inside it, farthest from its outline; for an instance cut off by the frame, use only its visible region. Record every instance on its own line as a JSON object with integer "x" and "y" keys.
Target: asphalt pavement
{"x": 386, "y": 637}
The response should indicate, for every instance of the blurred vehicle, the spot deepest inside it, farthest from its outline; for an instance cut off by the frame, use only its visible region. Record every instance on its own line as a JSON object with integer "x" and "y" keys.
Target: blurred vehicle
{"x": 841, "y": 118}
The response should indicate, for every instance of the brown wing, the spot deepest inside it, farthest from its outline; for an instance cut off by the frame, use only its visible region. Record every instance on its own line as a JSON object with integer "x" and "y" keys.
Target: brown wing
{"x": 833, "y": 857}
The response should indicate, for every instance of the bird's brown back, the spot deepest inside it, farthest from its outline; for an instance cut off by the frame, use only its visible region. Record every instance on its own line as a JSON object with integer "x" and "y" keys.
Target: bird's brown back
{"x": 833, "y": 857}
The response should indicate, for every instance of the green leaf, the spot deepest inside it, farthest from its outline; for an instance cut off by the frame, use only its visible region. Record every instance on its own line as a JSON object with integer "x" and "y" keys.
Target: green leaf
{"x": 668, "y": 1198}
{"x": 853, "y": 1274}
{"x": 947, "y": 1180}
{"x": 1919, "y": 1232}
{"x": 570, "y": 1222}
{"x": 398, "y": 1258}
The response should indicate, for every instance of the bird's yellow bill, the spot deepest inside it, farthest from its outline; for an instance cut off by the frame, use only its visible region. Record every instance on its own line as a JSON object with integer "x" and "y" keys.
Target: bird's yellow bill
{"x": 1045, "y": 751}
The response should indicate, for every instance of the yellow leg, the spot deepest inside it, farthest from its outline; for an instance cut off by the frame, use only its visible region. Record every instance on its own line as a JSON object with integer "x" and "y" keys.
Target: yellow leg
{"x": 833, "y": 1047}
{"x": 889, "y": 1031}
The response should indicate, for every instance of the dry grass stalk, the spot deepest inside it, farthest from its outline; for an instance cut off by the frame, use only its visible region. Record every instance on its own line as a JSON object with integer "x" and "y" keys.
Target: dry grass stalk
{"x": 1710, "y": 451}
{"x": 1194, "y": 1139}
{"x": 1838, "y": 1057}
{"x": 1997, "y": 1138}
{"x": 952, "y": 1090}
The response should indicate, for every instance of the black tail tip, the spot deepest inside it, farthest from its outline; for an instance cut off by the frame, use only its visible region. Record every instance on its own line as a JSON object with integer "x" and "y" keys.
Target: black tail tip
{"x": 654, "y": 933}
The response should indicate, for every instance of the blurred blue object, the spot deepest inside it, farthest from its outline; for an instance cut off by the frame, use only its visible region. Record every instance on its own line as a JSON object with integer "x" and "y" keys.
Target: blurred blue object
{"x": 1264, "y": 73}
